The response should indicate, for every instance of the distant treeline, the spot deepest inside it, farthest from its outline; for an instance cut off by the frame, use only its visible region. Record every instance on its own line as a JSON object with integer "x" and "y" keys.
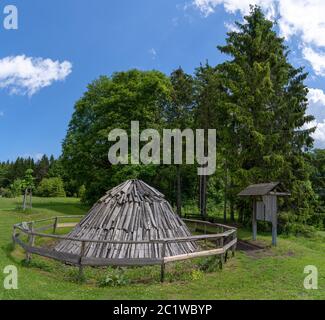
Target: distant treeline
{"x": 49, "y": 179}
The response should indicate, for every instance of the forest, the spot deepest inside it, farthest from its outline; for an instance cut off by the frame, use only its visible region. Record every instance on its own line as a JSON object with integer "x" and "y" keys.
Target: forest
{"x": 257, "y": 102}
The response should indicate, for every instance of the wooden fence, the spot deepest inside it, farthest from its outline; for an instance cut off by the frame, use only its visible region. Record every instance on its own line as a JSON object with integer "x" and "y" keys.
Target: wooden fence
{"x": 225, "y": 240}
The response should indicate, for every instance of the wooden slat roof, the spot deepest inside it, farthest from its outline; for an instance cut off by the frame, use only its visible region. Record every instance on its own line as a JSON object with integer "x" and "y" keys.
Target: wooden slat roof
{"x": 133, "y": 211}
{"x": 261, "y": 189}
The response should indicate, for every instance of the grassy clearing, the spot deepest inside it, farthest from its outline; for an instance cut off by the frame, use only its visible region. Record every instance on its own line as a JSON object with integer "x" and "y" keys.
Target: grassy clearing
{"x": 271, "y": 274}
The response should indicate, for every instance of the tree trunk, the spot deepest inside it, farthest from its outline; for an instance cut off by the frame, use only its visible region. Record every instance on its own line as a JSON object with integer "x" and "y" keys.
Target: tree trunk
{"x": 241, "y": 215}
{"x": 179, "y": 191}
{"x": 30, "y": 199}
{"x": 232, "y": 210}
{"x": 225, "y": 193}
{"x": 203, "y": 191}
{"x": 24, "y": 200}
{"x": 232, "y": 202}
{"x": 225, "y": 207}
{"x": 203, "y": 183}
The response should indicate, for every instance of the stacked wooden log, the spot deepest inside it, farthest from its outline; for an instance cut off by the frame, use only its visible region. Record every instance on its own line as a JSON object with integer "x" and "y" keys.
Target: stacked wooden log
{"x": 132, "y": 211}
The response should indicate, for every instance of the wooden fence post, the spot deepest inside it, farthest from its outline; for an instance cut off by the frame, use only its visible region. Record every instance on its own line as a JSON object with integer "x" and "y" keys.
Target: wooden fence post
{"x": 275, "y": 225}
{"x": 55, "y": 225}
{"x": 82, "y": 253}
{"x": 162, "y": 271}
{"x": 14, "y": 238}
{"x": 222, "y": 255}
{"x": 31, "y": 199}
{"x": 234, "y": 246}
{"x": 254, "y": 221}
{"x": 31, "y": 241}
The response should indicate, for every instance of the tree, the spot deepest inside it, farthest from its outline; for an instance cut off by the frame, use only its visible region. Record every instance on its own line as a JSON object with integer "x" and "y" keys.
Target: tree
{"x": 267, "y": 103}
{"x": 110, "y": 103}
{"x": 317, "y": 164}
{"x": 17, "y": 169}
{"x": 317, "y": 161}
{"x": 82, "y": 192}
{"x": 3, "y": 174}
{"x": 209, "y": 114}
{"x": 55, "y": 168}
{"x": 28, "y": 186}
{"x": 42, "y": 169}
{"x": 179, "y": 116}
{"x": 16, "y": 188}
{"x": 51, "y": 187}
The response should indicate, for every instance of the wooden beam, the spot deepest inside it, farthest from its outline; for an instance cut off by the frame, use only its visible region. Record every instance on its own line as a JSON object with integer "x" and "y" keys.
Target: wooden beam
{"x": 31, "y": 241}
{"x": 169, "y": 240}
{"x": 55, "y": 225}
{"x": 82, "y": 253}
{"x": 254, "y": 221}
{"x": 230, "y": 245}
{"x": 67, "y": 225}
{"x": 44, "y": 228}
{"x": 280, "y": 194}
{"x": 99, "y": 262}
{"x": 162, "y": 271}
{"x": 210, "y": 223}
{"x": 194, "y": 255}
{"x": 275, "y": 224}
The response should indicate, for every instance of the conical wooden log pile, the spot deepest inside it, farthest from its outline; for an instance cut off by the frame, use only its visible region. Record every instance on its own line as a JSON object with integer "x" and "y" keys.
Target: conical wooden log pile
{"x": 132, "y": 211}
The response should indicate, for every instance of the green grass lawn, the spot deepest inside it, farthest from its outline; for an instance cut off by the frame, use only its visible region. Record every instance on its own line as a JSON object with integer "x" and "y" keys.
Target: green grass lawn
{"x": 271, "y": 274}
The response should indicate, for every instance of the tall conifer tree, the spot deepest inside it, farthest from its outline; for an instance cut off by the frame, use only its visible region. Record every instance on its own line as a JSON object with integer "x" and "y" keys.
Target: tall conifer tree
{"x": 267, "y": 101}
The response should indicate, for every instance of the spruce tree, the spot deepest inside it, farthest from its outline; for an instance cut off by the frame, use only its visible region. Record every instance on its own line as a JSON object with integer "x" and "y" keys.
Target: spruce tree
{"x": 267, "y": 102}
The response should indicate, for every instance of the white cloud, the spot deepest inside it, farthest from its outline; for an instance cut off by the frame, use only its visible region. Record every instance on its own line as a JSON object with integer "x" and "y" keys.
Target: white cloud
{"x": 316, "y": 59}
{"x": 316, "y": 108}
{"x": 319, "y": 134}
{"x": 27, "y": 75}
{"x": 303, "y": 19}
{"x": 231, "y": 27}
{"x": 232, "y": 6}
{"x": 316, "y": 97}
{"x": 36, "y": 156}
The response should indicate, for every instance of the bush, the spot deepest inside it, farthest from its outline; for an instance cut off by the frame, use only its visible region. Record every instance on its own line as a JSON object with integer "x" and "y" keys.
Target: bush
{"x": 52, "y": 187}
{"x": 115, "y": 278}
{"x": 299, "y": 229}
{"x": 16, "y": 188}
{"x": 6, "y": 193}
{"x": 289, "y": 224}
{"x": 82, "y": 192}
{"x": 210, "y": 264}
{"x": 196, "y": 275}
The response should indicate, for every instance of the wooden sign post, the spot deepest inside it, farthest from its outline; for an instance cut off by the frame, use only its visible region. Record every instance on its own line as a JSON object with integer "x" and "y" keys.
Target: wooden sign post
{"x": 254, "y": 219}
{"x": 265, "y": 205}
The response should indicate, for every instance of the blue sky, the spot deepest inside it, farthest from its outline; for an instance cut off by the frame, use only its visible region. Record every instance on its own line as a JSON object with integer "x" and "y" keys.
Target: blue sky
{"x": 60, "y": 46}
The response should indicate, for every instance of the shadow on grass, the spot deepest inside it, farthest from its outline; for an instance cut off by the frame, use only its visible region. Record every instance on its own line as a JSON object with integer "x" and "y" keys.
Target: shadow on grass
{"x": 63, "y": 208}
{"x": 8, "y": 250}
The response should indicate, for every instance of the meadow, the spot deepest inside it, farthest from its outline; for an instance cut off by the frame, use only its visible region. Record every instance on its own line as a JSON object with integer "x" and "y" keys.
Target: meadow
{"x": 273, "y": 273}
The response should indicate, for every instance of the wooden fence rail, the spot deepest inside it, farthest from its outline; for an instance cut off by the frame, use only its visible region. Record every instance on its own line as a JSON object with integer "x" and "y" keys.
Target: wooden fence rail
{"x": 225, "y": 241}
